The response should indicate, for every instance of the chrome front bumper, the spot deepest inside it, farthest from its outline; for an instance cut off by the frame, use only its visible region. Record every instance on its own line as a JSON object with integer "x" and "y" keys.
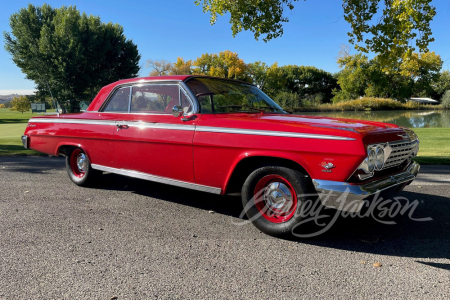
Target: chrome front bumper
{"x": 348, "y": 197}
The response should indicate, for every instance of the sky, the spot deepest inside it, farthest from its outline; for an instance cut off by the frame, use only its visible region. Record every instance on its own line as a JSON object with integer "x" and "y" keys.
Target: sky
{"x": 178, "y": 28}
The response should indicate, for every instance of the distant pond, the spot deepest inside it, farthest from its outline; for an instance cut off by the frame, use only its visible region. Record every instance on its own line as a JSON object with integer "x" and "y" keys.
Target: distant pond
{"x": 407, "y": 118}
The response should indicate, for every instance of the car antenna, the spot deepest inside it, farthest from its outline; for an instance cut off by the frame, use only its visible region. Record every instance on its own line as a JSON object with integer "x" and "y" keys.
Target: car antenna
{"x": 53, "y": 100}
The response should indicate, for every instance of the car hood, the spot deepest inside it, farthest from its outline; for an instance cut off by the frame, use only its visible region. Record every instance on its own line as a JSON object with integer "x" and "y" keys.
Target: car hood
{"x": 331, "y": 123}
{"x": 367, "y": 130}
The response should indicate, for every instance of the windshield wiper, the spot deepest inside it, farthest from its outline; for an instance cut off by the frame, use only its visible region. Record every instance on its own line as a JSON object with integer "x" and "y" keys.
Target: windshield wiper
{"x": 241, "y": 106}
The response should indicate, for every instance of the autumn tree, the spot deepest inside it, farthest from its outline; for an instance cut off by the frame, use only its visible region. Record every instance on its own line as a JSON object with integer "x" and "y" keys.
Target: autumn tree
{"x": 72, "y": 53}
{"x": 423, "y": 69}
{"x": 20, "y": 103}
{"x": 182, "y": 67}
{"x": 225, "y": 64}
{"x": 159, "y": 67}
{"x": 390, "y": 28}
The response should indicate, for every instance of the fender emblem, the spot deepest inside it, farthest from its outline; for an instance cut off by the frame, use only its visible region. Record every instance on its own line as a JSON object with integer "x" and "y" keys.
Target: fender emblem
{"x": 327, "y": 166}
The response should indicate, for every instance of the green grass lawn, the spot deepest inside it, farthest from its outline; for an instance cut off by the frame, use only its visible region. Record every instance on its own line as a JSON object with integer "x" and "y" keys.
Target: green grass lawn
{"x": 7, "y": 116}
{"x": 434, "y": 142}
{"x": 434, "y": 145}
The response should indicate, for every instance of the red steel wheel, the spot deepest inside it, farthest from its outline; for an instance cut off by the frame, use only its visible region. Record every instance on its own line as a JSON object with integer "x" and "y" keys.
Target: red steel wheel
{"x": 275, "y": 198}
{"x": 79, "y": 167}
{"x": 78, "y": 163}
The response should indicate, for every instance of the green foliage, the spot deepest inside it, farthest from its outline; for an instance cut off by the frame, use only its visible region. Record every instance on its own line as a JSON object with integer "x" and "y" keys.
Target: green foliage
{"x": 445, "y": 101}
{"x": 21, "y": 104}
{"x": 225, "y": 64}
{"x": 306, "y": 81}
{"x": 388, "y": 28}
{"x": 401, "y": 23}
{"x": 363, "y": 77}
{"x": 260, "y": 17}
{"x": 441, "y": 84}
{"x": 287, "y": 100}
{"x": 75, "y": 53}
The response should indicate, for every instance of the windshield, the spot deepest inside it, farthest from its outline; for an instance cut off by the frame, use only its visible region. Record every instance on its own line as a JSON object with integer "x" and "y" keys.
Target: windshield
{"x": 221, "y": 96}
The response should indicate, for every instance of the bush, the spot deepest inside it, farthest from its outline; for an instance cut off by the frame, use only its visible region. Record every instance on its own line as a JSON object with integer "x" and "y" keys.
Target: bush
{"x": 445, "y": 101}
{"x": 287, "y": 100}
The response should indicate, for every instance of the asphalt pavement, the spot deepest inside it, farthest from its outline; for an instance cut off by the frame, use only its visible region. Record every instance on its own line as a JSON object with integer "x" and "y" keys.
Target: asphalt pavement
{"x": 132, "y": 239}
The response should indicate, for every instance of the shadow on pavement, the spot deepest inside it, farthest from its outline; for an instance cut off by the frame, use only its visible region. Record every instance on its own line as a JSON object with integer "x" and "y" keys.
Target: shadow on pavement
{"x": 406, "y": 238}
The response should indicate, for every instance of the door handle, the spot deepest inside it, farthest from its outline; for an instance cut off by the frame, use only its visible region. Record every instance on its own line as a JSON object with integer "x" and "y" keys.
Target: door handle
{"x": 121, "y": 126}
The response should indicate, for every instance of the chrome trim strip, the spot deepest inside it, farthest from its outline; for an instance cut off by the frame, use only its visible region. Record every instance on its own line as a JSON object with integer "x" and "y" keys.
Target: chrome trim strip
{"x": 158, "y": 125}
{"x": 145, "y": 176}
{"x": 72, "y": 121}
{"x": 272, "y": 133}
{"x": 192, "y": 127}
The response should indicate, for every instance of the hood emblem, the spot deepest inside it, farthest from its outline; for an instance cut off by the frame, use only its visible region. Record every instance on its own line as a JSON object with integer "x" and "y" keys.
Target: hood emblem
{"x": 403, "y": 136}
{"x": 327, "y": 166}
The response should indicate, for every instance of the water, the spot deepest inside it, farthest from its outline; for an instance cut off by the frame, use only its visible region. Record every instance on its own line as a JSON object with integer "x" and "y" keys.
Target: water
{"x": 412, "y": 119}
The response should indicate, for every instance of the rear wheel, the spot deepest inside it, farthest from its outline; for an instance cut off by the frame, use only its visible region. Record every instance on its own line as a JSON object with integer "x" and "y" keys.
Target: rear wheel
{"x": 272, "y": 196}
{"x": 79, "y": 167}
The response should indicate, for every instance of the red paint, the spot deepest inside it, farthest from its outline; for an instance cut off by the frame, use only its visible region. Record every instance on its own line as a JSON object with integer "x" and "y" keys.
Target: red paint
{"x": 275, "y": 215}
{"x": 209, "y": 158}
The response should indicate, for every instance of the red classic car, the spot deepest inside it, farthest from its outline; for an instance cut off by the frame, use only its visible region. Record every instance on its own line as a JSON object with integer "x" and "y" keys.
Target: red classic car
{"x": 224, "y": 136}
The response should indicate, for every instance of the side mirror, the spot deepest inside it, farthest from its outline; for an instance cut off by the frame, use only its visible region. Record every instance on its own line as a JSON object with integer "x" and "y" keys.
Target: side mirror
{"x": 177, "y": 111}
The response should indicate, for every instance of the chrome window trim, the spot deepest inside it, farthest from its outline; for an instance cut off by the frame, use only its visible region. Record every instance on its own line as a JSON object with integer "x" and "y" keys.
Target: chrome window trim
{"x": 139, "y": 83}
{"x": 191, "y": 97}
{"x": 165, "y": 180}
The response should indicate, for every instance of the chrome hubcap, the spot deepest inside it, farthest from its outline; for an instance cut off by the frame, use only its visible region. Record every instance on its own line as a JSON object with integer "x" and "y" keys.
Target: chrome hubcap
{"x": 81, "y": 162}
{"x": 278, "y": 197}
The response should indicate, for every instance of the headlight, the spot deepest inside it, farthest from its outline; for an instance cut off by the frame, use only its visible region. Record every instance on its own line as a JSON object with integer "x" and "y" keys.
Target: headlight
{"x": 379, "y": 158}
{"x": 416, "y": 149}
{"x": 371, "y": 159}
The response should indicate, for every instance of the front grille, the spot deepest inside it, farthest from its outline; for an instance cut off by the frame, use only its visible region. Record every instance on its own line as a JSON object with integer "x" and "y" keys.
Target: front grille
{"x": 401, "y": 151}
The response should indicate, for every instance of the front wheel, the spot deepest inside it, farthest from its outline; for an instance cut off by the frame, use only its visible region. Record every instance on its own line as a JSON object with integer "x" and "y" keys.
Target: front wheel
{"x": 272, "y": 196}
{"x": 79, "y": 167}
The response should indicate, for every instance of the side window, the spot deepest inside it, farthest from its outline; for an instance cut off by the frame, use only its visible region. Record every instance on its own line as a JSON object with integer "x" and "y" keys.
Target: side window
{"x": 154, "y": 98}
{"x": 119, "y": 101}
{"x": 185, "y": 103}
{"x": 205, "y": 104}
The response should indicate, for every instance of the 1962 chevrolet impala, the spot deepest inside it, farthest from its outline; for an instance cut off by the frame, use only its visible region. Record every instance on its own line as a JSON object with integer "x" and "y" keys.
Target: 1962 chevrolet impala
{"x": 224, "y": 136}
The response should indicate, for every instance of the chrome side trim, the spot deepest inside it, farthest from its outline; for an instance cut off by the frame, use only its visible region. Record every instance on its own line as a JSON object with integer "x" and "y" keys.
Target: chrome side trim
{"x": 272, "y": 133}
{"x": 72, "y": 121}
{"x": 193, "y": 127}
{"x": 333, "y": 193}
{"x": 145, "y": 176}
{"x": 158, "y": 125}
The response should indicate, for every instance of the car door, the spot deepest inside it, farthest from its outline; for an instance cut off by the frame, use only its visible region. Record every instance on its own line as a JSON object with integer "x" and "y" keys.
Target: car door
{"x": 150, "y": 139}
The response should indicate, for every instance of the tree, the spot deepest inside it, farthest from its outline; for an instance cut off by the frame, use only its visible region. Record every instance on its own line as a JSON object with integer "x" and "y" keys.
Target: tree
{"x": 265, "y": 77}
{"x": 307, "y": 82}
{"x": 441, "y": 84}
{"x": 388, "y": 27}
{"x": 182, "y": 67}
{"x": 20, "y": 103}
{"x": 160, "y": 67}
{"x": 74, "y": 54}
{"x": 446, "y": 100}
{"x": 423, "y": 69}
{"x": 225, "y": 64}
